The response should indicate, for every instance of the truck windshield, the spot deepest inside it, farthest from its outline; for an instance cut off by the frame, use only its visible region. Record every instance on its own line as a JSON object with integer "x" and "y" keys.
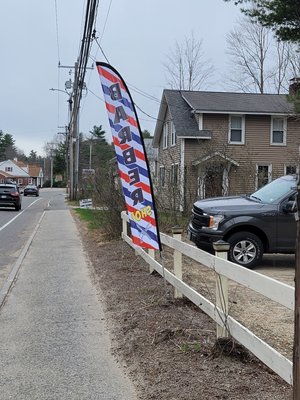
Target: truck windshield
{"x": 274, "y": 191}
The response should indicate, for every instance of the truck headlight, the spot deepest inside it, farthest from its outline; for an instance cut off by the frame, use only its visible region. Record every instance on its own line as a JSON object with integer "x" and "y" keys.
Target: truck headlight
{"x": 214, "y": 221}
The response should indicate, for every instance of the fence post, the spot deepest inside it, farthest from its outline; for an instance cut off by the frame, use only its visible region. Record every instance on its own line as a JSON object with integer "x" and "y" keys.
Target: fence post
{"x": 151, "y": 253}
{"x": 177, "y": 232}
{"x": 124, "y": 223}
{"x": 221, "y": 249}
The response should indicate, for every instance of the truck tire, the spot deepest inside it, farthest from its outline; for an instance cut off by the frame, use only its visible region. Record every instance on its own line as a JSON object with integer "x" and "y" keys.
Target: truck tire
{"x": 246, "y": 249}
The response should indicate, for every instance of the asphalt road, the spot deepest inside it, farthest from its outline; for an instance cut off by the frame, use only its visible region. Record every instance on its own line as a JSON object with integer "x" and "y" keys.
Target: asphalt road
{"x": 54, "y": 342}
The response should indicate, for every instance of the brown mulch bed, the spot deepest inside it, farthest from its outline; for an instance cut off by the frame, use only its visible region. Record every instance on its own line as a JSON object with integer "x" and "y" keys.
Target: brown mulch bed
{"x": 169, "y": 346}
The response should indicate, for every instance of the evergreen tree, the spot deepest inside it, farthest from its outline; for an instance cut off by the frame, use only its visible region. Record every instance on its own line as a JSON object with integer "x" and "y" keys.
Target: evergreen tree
{"x": 59, "y": 159}
{"x": 99, "y": 149}
{"x": 7, "y": 146}
{"x": 32, "y": 159}
{"x": 280, "y": 15}
{"x": 146, "y": 134}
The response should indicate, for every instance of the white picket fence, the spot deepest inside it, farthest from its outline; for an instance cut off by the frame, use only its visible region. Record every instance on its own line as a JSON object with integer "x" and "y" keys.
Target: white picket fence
{"x": 268, "y": 287}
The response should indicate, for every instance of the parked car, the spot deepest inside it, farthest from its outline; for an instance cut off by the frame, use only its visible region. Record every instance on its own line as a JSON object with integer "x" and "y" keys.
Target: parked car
{"x": 263, "y": 222}
{"x": 31, "y": 190}
{"x": 10, "y": 196}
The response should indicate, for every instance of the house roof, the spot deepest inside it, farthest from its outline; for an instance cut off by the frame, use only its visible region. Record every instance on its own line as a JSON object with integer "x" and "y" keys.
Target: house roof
{"x": 16, "y": 170}
{"x": 20, "y": 169}
{"x": 184, "y": 104}
{"x": 34, "y": 170}
{"x": 19, "y": 163}
{"x": 247, "y": 103}
{"x": 180, "y": 111}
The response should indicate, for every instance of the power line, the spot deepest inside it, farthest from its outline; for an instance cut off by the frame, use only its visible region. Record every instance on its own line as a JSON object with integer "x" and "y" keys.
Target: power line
{"x": 101, "y": 37}
{"x": 57, "y": 35}
{"x": 58, "y": 58}
{"x": 82, "y": 21}
{"x": 96, "y": 40}
{"x": 148, "y": 115}
{"x": 142, "y": 93}
{"x": 134, "y": 88}
{"x": 83, "y": 56}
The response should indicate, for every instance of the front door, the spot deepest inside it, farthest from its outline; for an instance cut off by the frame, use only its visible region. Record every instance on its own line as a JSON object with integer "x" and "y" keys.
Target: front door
{"x": 213, "y": 181}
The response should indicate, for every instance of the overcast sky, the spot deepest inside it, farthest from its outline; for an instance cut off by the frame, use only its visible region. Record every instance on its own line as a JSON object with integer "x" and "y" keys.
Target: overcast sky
{"x": 136, "y": 36}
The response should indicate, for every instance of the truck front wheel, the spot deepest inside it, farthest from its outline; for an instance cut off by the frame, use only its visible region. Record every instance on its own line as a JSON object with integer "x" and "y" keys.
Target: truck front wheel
{"x": 246, "y": 249}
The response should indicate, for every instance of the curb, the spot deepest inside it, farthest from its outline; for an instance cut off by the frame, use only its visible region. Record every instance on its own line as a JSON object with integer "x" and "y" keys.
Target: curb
{"x": 13, "y": 273}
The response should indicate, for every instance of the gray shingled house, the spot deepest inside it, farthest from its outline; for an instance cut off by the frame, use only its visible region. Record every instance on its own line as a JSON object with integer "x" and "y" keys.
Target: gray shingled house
{"x": 220, "y": 143}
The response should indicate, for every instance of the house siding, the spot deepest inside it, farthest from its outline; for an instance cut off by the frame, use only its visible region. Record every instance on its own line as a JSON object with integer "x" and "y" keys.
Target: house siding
{"x": 257, "y": 149}
{"x": 210, "y": 161}
{"x": 169, "y": 195}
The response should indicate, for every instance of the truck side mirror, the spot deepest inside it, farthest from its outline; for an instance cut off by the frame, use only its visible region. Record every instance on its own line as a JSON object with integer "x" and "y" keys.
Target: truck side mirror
{"x": 290, "y": 207}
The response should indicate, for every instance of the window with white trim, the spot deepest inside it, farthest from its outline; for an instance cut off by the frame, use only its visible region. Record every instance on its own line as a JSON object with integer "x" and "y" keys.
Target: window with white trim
{"x": 30, "y": 181}
{"x": 162, "y": 175}
{"x": 8, "y": 169}
{"x": 200, "y": 187}
{"x": 236, "y": 134}
{"x": 20, "y": 181}
{"x": 200, "y": 123}
{"x": 278, "y": 131}
{"x": 172, "y": 133}
{"x": 290, "y": 169}
{"x": 263, "y": 175}
{"x": 165, "y": 135}
{"x": 174, "y": 174}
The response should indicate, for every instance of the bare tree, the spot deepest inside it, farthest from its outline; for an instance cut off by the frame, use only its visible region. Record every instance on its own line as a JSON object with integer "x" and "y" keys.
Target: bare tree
{"x": 186, "y": 67}
{"x": 248, "y": 46}
{"x": 260, "y": 62}
{"x": 282, "y": 58}
{"x": 293, "y": 55}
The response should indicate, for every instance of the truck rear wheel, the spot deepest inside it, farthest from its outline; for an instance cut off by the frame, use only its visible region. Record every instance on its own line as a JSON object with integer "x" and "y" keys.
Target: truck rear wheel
{"x": 246, "y": 249}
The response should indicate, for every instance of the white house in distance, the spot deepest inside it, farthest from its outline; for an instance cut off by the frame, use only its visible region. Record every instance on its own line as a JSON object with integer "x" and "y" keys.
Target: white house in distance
{"x": 23, "y": 174}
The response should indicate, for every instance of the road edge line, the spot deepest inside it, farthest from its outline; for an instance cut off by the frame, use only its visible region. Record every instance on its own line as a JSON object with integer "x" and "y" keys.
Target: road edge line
{"x": 13, "y": 273}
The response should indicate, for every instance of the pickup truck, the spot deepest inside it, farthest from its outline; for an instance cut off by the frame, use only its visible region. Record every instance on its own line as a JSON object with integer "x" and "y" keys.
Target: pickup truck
{"x": 263, "y": 222}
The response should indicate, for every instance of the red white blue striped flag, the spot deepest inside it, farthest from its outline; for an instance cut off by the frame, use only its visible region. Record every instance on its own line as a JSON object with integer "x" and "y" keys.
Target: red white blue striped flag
{"x": 131, "y": 157}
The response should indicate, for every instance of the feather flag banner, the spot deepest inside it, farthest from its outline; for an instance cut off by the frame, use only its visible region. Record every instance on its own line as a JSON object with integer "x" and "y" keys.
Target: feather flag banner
{"x": 131, "y": 158}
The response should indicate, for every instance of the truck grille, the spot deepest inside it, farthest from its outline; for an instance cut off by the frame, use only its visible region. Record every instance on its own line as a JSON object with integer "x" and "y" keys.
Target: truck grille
{"x": 199, "y": 219}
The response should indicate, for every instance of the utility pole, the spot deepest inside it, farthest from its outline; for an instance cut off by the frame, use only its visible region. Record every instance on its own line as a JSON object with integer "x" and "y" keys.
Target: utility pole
{"x": 74, "y": 105}
{"x": 66, "y": 135}
{"x": 76, "y": 134}
{"x": 78, "y": 86}
{"x": 51, "y": 163}
{"x": 91, "y": 148}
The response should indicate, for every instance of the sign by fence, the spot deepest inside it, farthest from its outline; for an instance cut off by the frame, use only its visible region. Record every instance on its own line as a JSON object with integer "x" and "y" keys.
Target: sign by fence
{"x": 86, "y": 203}
{"x": 88, "y": 171}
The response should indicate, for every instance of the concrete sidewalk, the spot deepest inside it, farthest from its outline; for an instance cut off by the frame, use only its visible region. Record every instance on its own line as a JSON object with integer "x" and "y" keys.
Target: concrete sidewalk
{"x": 53, "y": 339}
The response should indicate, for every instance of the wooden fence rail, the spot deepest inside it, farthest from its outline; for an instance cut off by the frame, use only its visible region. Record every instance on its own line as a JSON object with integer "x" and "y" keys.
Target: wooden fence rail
{"x": 268, "y": 287}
